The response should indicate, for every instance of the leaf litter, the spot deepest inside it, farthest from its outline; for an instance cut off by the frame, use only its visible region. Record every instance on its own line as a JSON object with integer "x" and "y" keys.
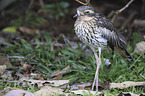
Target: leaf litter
{"x": 126, "y": 84}
{"x": 58, "y": 75}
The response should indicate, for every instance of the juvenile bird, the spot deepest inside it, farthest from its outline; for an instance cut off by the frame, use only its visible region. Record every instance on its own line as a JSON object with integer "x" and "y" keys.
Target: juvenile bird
{"x": 96, "y": 31}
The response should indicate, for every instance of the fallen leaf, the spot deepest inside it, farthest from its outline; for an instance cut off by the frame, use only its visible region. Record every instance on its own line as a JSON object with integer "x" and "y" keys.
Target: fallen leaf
{"x": 19, "y": 93}
{"x": 2, "y": 68}
{"x": 126, "y": 84}
{"x": 58, "y": 82}
{"x": 50, "y": 91}
{"x": 46, "y": 82}
{"x": 10, "y": 29}
{"x": 80, "y": 86}
{"x": 32, "y": 81}
{"x": 86, "y": 91}
{"x": 127, "y": 93}
{"x": 27, "y": 30}
{"x": 140, "y": 48}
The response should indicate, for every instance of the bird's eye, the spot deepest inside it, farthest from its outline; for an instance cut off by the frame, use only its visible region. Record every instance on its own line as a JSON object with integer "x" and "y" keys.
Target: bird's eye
{"x": 87, "y": 12}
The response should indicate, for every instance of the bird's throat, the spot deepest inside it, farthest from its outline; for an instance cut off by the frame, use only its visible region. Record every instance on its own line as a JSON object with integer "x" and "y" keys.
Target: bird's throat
{"x": 85, "y": 18}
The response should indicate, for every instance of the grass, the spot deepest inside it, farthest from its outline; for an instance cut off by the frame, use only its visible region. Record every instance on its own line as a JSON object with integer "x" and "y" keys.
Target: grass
{"x": 49, "y": 58}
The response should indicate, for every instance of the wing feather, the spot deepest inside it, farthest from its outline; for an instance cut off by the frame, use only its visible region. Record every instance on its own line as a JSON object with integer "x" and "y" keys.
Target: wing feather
{"x": 114, "y": 38}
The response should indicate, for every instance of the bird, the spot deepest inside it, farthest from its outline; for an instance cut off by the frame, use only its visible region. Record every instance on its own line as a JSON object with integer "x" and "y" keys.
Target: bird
{"x": 96, "y": 31}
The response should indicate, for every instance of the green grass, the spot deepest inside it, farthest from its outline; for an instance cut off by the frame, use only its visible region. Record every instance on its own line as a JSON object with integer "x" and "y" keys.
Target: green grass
{"x": 49, "y": 58}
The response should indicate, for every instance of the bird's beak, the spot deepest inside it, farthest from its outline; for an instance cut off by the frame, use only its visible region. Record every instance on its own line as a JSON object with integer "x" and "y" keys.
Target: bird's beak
{"x": 75, "y": 16}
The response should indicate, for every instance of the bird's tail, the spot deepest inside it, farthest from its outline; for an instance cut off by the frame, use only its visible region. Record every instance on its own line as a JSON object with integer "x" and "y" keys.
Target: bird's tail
{"x": 129, "y": 57}
{"x": 124, "y": 53}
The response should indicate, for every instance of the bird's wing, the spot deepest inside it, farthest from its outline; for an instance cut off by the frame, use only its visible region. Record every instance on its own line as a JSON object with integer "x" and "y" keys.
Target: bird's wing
{"x": 110, "y": 33}
{"x": 114, "y": 39}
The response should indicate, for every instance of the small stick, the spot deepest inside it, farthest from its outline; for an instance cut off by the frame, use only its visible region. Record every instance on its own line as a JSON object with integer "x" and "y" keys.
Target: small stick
{"x": 41, "y": 3}
{"x": 119, "y": 11}
{"x": 15, "y": 57}
{"x": 74, "y": 81}
{"x": 142, "y": 76}
{"x": 87, "y": 2}
{"x": 127, "y": 5}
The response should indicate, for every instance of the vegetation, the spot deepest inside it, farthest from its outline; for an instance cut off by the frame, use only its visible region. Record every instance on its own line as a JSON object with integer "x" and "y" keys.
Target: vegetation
{"x": 45, "y": 54}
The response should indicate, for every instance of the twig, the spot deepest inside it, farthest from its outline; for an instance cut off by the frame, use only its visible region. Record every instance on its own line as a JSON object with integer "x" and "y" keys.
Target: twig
{"x": 15, "y": 56}
{"x": 115, "y": 13}
{"x": 87, "y": 2}
{"x": 127, "y": 5}
{"x": 41, "y": 3}
{"x": 142, "y": 76}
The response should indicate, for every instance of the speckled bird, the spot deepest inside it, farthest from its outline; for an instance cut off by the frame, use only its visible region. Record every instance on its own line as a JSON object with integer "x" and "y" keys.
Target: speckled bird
{"x": 96, "y": 31}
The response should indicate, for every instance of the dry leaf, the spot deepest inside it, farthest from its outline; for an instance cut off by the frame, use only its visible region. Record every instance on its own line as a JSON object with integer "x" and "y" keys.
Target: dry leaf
{"x": 2, "y": 68}
{"x": 126, "y": 84}
{"x": 50, "y": 91}
{"x": 87, "y": 91}
{"x": 19, "y": 93}
{"x": 27, "y": 30}
{"x": 48, "y": 82}
{"x": 58, "y": 82}
{"x": 80, "y": 86}
{"x": 125, "y": 93}
{"x": 140, "y": 48}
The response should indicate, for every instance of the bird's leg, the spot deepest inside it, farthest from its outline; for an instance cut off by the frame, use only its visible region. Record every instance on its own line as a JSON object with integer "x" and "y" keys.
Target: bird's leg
{"x": 96, "y": 76}
{"x": 98, "y": 62}
{"x": 98, "y": 66}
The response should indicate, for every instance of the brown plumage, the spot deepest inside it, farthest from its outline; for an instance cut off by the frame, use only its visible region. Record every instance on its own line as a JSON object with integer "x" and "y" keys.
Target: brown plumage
{"x": 96, "y": 31}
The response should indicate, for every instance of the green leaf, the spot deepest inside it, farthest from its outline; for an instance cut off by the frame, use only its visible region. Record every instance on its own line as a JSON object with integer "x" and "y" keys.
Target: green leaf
{"x": 10, "y": 29}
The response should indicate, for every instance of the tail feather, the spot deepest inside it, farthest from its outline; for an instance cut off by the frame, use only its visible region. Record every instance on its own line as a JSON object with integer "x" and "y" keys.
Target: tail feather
{"x": 120, "y": 48}
{"x": 124, "y": 53}
{"x": 129, "y": 57}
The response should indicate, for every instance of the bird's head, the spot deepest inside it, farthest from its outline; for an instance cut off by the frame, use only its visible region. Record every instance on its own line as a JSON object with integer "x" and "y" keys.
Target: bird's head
{"x": 84, "y": 11}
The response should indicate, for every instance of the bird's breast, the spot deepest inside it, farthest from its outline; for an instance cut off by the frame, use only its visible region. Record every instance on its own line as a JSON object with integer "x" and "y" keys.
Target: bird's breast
{"x": 89, "y": 33}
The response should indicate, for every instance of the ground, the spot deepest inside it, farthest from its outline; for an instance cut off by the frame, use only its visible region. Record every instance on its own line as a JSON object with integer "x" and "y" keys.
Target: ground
{"x": 39, "y": 49}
